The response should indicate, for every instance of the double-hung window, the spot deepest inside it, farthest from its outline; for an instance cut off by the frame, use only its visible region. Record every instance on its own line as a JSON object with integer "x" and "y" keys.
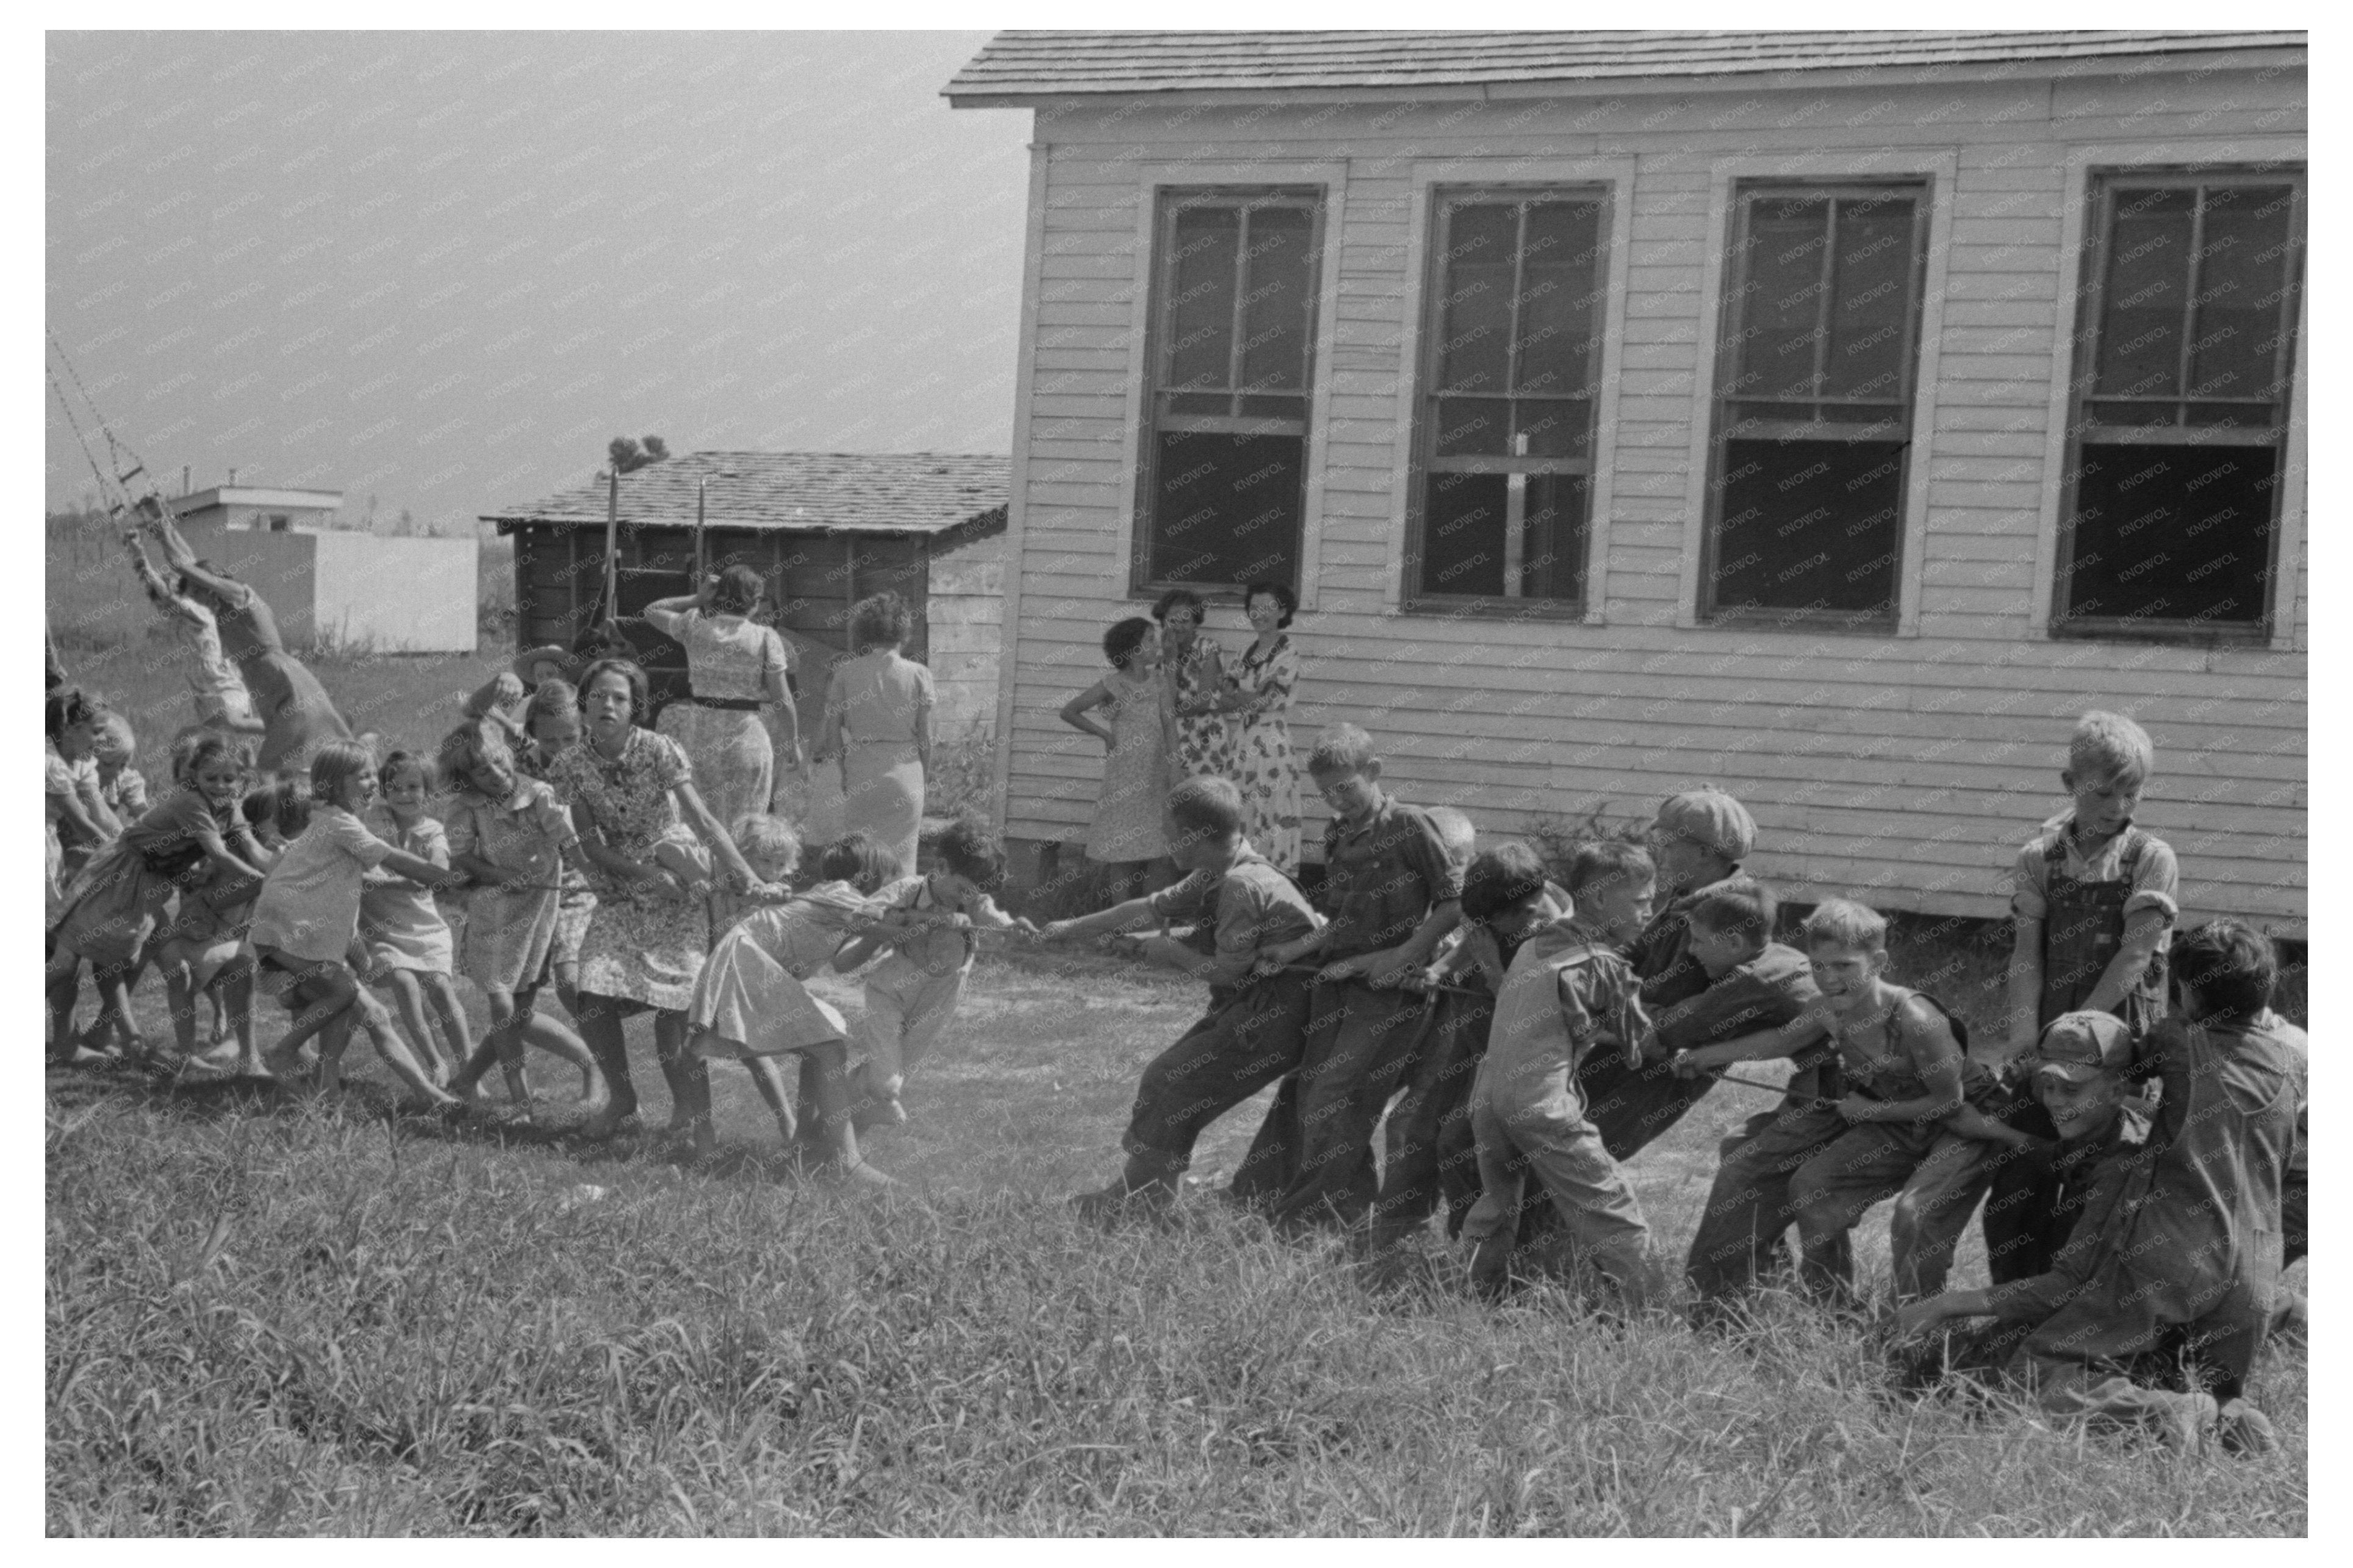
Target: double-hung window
{"x": 1815, "y": 373}
{"x": 1512, "y": 339}
{"x": 2183, "y": 367}
{"x": 1221, "y": 487}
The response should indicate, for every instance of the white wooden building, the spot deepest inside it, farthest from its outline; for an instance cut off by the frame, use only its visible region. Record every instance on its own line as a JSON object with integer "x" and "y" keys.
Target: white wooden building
{"x": 1830, "y": 416}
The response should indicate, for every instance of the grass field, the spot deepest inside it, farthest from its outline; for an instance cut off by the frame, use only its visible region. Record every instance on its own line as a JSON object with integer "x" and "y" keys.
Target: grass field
{"x": 271, "y": 1318}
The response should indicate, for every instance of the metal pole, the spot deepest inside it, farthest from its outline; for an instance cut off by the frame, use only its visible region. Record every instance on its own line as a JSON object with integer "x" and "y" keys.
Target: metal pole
{"x": 613, "y": 547}
{"x": 701, "y": 561}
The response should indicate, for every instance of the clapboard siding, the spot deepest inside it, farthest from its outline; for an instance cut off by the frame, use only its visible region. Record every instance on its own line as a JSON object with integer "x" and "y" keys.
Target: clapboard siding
{"x": 1908, "y": 767}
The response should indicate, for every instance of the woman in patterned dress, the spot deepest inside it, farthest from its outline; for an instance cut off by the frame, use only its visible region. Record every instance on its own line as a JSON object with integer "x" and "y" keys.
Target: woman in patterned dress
{"x": 1197, "y": 665}
{"x": 629, "y": 786}
{"x": 735, "y": 668}
{"x": 878, "y": 718}
{"x": 1260, "y": 688}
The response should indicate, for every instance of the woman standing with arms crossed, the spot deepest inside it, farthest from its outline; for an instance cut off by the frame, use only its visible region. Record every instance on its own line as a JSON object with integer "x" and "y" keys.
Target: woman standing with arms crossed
{"x": 629, "y": 785}
{"x": 736, "y": 670}
{"x": 1258, "y": 689}
{"x": 878, "y": 718}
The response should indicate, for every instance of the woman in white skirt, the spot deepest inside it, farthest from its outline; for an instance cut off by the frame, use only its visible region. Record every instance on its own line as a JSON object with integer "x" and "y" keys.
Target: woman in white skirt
{"x": 735, "y": 668}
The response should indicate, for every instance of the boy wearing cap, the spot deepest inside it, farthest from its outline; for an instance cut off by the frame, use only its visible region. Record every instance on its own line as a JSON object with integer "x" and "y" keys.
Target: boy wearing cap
{"x": 1240, "y": 905}
{"x": 1390, "y": 891}
{"x": 1698, "y": 839}
{"x": 2093, "y": 903}
{"x": 2185, "y": 1273}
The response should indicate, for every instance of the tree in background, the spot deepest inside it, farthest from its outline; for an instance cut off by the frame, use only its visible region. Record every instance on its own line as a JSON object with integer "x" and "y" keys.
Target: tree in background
{"x": 628, "y": 456}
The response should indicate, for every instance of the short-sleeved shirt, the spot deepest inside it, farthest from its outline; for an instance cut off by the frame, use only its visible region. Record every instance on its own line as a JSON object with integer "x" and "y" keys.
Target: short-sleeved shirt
{"x": 628, "y": 798}
{"x": 1661, "y": 954}
{"x": 2157, "y": 876}
{"x": 309, "y": 906}
{"x": 125, "y": 794}
{"x": 173, "y": 836}
{"x": 726, "y": 655}
{"x": 1251, "y": 906}
{"x": 526, "y": 832}
{"x": 1382, "y": 877}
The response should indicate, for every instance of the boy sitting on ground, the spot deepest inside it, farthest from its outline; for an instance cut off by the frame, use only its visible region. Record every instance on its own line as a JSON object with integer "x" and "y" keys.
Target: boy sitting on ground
{"x": 1245, "y": 908}
{"x": 1569, "y": 993}
{"x": 2183, "y": 1284}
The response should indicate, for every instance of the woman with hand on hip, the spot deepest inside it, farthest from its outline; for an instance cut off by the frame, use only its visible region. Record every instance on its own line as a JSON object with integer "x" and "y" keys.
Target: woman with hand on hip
{"x": 735, "y": 668}
{"x": 878, "y": 719}
{"x": 629, "y": 787}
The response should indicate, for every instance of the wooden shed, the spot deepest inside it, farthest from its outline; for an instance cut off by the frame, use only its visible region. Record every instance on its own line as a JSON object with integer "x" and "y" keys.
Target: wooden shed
{"x": 824, "y": 529}
{"x": 1832, "y": 415}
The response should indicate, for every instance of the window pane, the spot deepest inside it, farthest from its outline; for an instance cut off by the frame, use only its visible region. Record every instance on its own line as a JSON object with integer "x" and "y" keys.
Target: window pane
{"x": 1871, "y": 300}
{"x": 1462, "y": 534}
{"x": 1810, "y": 526}
{"x": 2242, "y": 293}
{"x": 2172, "y": 534}
{"x": 1552, "y": 430}
{"x": 1278, "y": 298}
{"x": 1554, "y": 565}
{"x": 2146, "y": 297}
{"x": 1474, "y": 426}
{"x": 1474, "y": 344}
{"x": 1200, "y": 314}
{"x": 1559, "y": 275}
{"x": 1780, "y": 307}
{"x": 1226, "y": 508}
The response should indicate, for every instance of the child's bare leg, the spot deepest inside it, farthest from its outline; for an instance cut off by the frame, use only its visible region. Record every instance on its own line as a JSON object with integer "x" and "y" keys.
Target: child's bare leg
{"x": 332, "y": 989}
{"x": 768, "y": 1077}
{"x": 550, "y": 1035}
{"x": 61, "y": 985}
{"x": 501, "y": 1045}
{"x": 376, "y": 1019}
{"x": 234, "y": 988}
{"x": 180, "y": 996}
{"x": 334, "y": 1035}
{"x": 410, "y": 1001}
{"x": 835, "y": 1128}
{"x": 457, "y": 1035}
{"x": 114, "y": 1008}
{"x": 568, "y": 991}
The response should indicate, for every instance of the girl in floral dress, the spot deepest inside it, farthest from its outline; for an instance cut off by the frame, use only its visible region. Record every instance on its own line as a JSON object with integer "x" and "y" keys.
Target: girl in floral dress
{"x": 1197, "y": 663}
{"x": 1259, "y": 690}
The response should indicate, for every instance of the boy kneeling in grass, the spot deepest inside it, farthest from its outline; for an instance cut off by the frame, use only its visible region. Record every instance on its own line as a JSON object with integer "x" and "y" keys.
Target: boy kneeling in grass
{"x": 2159, "y": 1321}
{"x": 1251, "y": 1036}
{"x": 1569, "y": 993}
{"x": 1913, "y": 1125}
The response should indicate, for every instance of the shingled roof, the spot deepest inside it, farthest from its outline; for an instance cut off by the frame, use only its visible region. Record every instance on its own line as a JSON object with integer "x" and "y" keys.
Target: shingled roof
{"x": 1026, "y": 67}
{"x": 858, "y": 492}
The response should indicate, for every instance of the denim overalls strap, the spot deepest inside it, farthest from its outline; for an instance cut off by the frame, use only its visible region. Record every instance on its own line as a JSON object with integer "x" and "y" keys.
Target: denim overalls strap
{"x": 2083, "y": 930}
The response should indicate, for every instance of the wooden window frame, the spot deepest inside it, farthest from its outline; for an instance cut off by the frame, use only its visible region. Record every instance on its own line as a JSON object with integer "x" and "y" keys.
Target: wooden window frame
{"x": 1314, "y": 199}
{"x": 1411, "y": 598}
{"x": 1901, "y": 424}
{"x": 2101, "y": 185}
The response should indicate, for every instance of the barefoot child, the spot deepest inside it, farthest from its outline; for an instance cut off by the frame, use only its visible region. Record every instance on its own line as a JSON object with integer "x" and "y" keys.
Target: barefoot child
{"x": 308, "y": 915}
{"x": 749, "y": 1004}
{"x": 1569, "y": 993}
{"x": 199, "y": 952}
{"x": 931, "y": 924}
{"x": 773, "y": 850}
{"x": 116, "y": 902}
{"x": 508, "y": 833}
{"x": 403, "y": 939}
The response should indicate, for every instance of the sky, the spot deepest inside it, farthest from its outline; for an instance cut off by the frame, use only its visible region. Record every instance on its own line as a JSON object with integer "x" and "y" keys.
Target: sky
{"x": 443, "y": 271}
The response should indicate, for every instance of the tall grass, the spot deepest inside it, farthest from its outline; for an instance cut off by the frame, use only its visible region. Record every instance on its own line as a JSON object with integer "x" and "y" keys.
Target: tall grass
{"x": 264, "y": 1318}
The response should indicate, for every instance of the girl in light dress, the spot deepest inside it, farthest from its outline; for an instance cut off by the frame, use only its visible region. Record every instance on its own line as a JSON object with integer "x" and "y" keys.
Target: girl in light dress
{"x": 929, "y": 925}
{"x": 114, "y": 904}
{"x": 404, "y": 943}
{"x": 508, "y": 833}
{"x": 1140, "y": 741}
{"x": 749, "y": 1004}
{"x": 307, "y": 919}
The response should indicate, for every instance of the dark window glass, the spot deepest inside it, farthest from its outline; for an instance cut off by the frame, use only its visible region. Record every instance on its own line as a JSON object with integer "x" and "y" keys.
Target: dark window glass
{"x": 2183, "y": 376}
{"x": 1505, "y": 440}
{"x": 1814, "y": 402}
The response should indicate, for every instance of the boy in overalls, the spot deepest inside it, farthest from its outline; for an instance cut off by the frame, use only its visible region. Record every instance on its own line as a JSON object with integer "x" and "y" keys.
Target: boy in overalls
{"x": 2095, "y": 906}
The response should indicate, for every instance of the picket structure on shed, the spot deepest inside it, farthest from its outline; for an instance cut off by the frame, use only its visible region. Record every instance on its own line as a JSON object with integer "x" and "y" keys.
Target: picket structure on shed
{"x": 1830, "y": 416}
{"x": 823, "y": 529}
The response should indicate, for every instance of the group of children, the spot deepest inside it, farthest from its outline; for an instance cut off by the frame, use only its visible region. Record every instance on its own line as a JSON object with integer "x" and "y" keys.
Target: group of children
{"x": 2138, "y": 1121}
{"x": 323, "y": 890}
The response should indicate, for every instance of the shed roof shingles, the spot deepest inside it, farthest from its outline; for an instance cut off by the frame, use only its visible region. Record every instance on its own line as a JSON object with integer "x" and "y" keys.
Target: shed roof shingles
{"x": 1029, "y": 65}
{"x": 890, "y": 493}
